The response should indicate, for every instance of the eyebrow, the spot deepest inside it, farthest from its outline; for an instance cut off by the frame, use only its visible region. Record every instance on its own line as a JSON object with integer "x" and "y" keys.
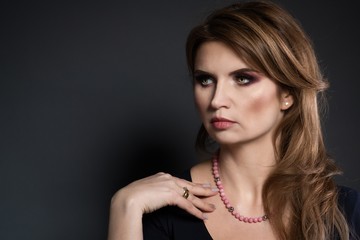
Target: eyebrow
{"x": 198, "y": 71}
{"x": 201, "y": 72}
{"x": 244, "y": 70}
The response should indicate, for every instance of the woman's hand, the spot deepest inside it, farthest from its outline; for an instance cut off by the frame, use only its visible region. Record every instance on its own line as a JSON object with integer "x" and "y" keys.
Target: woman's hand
{"x": 149, "y": 194}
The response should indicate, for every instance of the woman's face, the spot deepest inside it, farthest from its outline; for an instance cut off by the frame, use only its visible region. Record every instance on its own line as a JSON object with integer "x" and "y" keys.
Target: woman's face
{"x": 236, "y": 103}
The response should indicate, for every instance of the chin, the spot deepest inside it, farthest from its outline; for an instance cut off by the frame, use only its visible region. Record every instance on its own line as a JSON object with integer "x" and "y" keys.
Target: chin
{"x": 227, "y": 140}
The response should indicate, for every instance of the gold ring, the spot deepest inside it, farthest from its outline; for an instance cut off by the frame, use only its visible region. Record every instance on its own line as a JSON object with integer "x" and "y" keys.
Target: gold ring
{"x": 186, "y": 193}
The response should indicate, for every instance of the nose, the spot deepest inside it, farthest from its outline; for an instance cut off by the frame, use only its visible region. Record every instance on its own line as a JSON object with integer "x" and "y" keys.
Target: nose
{"x": 220, "y": 98}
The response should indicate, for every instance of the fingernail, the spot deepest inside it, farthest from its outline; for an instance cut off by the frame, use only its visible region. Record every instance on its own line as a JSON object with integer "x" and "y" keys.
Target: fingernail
{"x": 214, "y": 189}
{"x": 205, "y": 217}
{"x": 206, "y": 185}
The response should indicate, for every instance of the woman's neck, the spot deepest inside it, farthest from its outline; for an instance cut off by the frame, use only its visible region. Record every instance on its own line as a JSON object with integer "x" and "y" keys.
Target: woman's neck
{"x": 244, "y": 169}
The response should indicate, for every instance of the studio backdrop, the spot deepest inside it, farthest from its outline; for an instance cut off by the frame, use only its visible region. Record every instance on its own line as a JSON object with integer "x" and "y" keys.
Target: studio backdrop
{"x": 94, "y": 95}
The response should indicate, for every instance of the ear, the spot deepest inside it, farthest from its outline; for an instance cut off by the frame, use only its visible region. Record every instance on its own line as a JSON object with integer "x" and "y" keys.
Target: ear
{"x": 286, "y": 100}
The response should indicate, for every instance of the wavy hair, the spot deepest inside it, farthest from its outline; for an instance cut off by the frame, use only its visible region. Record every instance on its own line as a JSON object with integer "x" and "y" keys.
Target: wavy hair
{"x": 300, "y": 195}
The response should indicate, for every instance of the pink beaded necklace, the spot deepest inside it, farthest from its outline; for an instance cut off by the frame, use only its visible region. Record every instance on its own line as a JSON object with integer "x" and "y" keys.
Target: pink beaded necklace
{"x": 226, "y": 201}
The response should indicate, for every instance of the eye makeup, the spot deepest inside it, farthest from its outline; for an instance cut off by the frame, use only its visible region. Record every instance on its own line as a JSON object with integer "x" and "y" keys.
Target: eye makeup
{"x": 203, "y": 78}
{"x": 244, "y": 76}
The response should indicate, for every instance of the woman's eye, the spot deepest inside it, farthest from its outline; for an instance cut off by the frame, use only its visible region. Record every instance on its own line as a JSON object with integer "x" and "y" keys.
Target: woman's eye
{"x": 204, "y": 80}
{"x": 243, "y": 80}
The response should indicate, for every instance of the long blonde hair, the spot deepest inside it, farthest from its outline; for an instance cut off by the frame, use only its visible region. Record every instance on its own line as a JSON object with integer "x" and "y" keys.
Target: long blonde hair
{"x": 300, "y": 196}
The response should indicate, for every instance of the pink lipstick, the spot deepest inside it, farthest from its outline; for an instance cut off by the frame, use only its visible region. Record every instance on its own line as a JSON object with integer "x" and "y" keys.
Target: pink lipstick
{"x": 221, "y": 123}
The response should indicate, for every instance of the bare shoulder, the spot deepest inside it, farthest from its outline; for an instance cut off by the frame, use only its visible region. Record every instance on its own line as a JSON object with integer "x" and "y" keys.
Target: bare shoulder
{"x": 202, "y": 172}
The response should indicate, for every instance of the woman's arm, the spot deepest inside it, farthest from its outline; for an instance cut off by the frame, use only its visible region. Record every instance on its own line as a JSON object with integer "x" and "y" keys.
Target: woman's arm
{"x": 125, "y": 219}
{"x": 149, "y": 194}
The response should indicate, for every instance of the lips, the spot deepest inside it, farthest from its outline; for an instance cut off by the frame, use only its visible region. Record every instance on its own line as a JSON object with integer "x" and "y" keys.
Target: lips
{"x": 221, "y": 123}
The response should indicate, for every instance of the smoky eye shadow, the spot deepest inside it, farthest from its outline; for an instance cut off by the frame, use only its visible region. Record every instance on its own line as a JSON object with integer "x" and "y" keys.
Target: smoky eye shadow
{"x": 250, "y": 75}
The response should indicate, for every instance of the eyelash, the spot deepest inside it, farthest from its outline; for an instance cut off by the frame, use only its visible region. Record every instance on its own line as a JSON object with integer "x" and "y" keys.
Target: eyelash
{"x": 241, "y": 79}
{"x": 202, "y": 78}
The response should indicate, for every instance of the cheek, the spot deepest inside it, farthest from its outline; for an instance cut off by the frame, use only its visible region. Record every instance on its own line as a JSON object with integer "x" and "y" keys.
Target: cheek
{"x": 200, "y": 100}
{"x": 265, "y": 102}
{"x": 197, "y": 99}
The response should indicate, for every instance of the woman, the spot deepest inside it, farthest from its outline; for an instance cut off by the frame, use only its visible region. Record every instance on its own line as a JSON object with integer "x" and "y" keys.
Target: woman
{"x": 256, "y": 85}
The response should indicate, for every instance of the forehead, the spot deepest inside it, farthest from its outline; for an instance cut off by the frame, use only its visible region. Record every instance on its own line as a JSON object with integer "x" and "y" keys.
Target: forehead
{"x": 216, "y": 55}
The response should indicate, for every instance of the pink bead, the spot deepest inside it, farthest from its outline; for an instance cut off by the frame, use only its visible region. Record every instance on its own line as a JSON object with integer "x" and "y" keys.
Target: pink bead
{"x": 226, "y": 201}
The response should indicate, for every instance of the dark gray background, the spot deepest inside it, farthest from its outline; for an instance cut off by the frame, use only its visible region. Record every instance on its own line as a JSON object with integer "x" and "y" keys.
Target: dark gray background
{"x": 96, "y": 94}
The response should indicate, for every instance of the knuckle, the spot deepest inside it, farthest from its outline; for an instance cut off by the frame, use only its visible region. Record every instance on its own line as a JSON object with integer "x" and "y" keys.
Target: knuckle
{"x": 201, "y": 204}
{"x": 166, "y": 175}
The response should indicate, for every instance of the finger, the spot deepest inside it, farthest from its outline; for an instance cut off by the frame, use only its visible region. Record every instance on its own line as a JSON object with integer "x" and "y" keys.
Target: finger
{"x": 197, "y": 202}
{"x": 204, "y": 190}
{"x": 191, "y": 208}
{"x": 201, "y": 204}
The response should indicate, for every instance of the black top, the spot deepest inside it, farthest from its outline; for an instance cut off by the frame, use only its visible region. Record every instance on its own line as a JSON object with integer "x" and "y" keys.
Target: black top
{"x": 176, "y": 224}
